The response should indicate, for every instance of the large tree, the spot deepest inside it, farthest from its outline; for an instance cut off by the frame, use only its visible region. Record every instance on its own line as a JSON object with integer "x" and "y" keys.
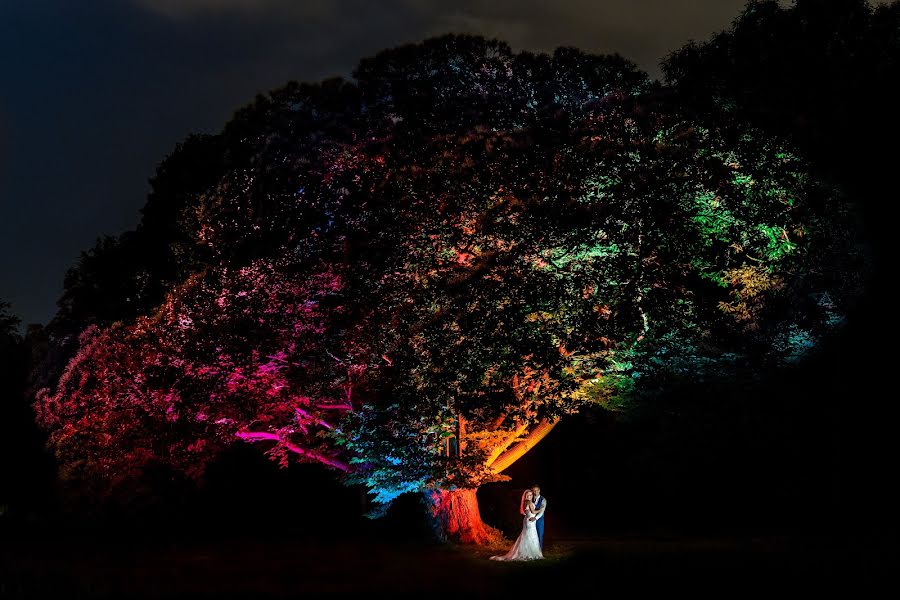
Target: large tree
{"x": 412, "y": 277}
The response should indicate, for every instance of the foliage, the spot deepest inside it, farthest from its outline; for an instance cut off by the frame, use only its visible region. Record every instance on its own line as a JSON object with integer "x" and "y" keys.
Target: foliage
{"x": 821, "y": 73}
{"x": 423, "y": 269}
{"x": 226, "y": 357}
{"x": 530, "y": 272}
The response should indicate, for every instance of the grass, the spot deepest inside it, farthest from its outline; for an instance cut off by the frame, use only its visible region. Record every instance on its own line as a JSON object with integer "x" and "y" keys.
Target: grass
{"x": 272, "y": 567}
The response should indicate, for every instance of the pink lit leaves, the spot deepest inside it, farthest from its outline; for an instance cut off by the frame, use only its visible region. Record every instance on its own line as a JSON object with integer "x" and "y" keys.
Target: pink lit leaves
{"x": 233, "y": 355}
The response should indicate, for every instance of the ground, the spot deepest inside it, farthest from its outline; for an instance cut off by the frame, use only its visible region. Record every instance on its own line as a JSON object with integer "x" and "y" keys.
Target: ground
{"x": 254, "y": 567}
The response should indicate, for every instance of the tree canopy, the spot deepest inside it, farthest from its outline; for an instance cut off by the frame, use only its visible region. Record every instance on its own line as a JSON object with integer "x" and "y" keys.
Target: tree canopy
{"x": 823, "y": 74}
{"x": 413, "y": 275}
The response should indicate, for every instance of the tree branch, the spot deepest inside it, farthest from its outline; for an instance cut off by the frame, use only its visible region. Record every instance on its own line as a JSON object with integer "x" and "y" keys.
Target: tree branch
{"x": 506, "y": 443}
{"x": 496, "y": 423}
{"x": 519, "y": 450}
{"x": 255, "y": 436}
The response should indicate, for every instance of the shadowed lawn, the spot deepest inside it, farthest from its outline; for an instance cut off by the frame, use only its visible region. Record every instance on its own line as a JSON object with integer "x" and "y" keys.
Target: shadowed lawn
{"x": 251, "y": 567}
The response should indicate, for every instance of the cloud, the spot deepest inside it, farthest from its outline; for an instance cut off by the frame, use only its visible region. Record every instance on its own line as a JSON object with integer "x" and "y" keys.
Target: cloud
{"x": 641, "y": 30}
{"x": 186, "y": 9}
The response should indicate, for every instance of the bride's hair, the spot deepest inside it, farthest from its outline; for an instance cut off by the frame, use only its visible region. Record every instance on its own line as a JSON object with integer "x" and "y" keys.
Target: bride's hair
{"x": 522, "y": 503}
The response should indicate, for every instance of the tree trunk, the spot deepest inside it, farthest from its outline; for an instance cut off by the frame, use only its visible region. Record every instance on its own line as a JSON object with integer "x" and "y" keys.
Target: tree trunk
{"x": 455, "y": 517}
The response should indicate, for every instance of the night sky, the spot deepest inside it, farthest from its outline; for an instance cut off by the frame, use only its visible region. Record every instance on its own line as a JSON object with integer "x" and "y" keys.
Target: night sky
{"x": 95, "y": 93}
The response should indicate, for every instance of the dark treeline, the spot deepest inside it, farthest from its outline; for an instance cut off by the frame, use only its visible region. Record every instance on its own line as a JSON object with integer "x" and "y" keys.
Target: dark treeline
{"x": 27, "y": 472}
{"x": 826, "y": 74}
{"x": 806, "y": 450}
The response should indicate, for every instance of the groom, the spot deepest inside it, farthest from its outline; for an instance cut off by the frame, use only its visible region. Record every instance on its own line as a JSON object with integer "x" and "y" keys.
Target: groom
{"x": 540, "y": 504}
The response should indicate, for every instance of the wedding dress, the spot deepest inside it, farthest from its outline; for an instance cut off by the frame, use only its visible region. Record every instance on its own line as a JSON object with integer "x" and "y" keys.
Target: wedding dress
{"x": 527, "y": 546}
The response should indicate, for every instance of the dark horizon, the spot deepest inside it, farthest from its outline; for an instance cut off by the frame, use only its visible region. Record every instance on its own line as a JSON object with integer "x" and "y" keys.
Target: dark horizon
{"x": 98, "y": 95}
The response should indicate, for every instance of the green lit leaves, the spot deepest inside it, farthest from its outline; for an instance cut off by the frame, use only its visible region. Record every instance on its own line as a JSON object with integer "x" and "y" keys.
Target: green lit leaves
{"x": 714, "y": 221}
{"x": 581, "y": 256}
{"x": 776, "y": 242}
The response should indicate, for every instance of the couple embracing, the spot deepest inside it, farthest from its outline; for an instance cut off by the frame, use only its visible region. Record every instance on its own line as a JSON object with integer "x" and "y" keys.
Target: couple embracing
{"x": 530, "y": 543}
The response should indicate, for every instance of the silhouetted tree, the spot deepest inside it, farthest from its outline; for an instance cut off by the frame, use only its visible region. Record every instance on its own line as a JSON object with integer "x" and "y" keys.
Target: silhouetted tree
{"x": 25, "y": 471}
{"x": 826, "y": 74}
{"x": 11, "y": 387}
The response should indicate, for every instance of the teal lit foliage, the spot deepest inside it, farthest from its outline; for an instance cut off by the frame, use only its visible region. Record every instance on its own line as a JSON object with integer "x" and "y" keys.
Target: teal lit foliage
{"x": 386, "y": 461}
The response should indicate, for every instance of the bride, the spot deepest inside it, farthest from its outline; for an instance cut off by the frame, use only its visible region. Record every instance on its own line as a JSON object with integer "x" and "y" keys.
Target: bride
{"x": 527, "y": 546}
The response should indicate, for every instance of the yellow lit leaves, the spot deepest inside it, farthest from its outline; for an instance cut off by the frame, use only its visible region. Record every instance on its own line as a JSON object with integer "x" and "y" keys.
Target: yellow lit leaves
{"x": 752, "y": 284}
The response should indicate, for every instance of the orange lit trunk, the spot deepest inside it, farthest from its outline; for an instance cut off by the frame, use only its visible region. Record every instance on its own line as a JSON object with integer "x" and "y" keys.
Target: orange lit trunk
{"x": 454, "y": 514}
{"x": 455, "y": 517}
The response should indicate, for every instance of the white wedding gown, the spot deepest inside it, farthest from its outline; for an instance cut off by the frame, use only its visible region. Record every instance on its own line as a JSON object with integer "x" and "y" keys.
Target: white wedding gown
{"x": 527, "y": 546}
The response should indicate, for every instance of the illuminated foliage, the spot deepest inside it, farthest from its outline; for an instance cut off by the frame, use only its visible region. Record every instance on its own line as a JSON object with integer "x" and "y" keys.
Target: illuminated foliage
{"x": 526, "y": 273}
{"x": 179, "y": 386}
{"x": 414, "y": 276}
